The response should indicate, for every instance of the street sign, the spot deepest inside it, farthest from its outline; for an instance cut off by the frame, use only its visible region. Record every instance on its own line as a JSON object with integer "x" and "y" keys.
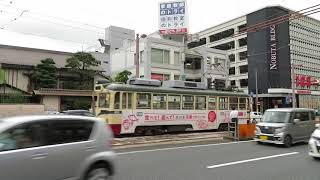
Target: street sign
{"x": 173, "y": 17}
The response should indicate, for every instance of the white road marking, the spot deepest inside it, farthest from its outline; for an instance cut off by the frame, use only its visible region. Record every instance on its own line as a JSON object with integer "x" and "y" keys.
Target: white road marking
{"x": 181, "y": 147}
{"x": 250, "y": 160}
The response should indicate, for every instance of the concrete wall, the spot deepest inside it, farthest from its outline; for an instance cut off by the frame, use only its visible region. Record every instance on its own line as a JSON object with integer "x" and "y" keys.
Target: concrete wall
{"x": 7, "y": 110}
{"x": 51, "y": 103}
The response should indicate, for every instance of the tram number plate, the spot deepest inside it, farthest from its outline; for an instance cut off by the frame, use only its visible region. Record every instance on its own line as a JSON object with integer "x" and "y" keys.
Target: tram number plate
{"x": 263, "y": 137}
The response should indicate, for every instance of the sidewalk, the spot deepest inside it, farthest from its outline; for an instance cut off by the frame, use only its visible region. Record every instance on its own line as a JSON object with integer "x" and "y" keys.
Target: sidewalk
{"x": 129, "y": 142}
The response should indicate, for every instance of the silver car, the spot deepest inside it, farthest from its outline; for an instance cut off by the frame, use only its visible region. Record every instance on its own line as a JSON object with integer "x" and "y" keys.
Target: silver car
{"x": 55, "y": 147}
{"x": 286, "y": 126}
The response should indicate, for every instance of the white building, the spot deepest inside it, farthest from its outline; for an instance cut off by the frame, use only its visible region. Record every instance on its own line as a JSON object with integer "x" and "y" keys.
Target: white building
{"x": 166, "y": 59}
{"x": 221, "y": 37}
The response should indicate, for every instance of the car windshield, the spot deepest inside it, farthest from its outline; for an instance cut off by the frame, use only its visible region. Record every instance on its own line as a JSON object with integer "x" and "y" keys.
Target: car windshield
{"x": 276, "y": 117}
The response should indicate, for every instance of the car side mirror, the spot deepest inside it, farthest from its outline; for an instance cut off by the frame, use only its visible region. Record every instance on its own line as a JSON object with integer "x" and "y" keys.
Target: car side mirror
{"x": 295, "y": 121}
{"x": 317, "y": 125}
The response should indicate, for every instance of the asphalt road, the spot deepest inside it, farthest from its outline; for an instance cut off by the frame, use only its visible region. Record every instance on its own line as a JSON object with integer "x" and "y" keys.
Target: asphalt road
{"x": 226, "y": 161}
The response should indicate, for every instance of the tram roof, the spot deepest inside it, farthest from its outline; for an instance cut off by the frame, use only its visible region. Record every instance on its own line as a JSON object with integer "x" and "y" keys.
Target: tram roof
{"x": 126, "y": 87}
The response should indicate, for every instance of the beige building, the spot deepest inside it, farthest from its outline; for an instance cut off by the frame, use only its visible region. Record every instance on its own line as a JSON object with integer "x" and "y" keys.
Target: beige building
{"x": 17, "y": 64}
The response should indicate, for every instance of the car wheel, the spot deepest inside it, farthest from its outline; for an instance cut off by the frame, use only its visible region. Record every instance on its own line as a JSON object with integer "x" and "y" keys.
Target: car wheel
{"x": 316, "y": 158}
{"x": 287, "y": 141}
{"x": 98, "y": 172}
{"x": 259, "y": 142}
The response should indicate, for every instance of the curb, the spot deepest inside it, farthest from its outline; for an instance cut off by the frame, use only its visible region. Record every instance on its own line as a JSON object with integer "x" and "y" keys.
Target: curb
{"x": 167, "y": 143}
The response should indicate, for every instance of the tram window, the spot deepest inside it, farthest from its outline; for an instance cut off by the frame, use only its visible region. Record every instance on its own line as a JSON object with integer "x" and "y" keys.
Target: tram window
{"x": 234, "y": 102}
{"x": 159, "y": 101}
{"x": 188, "y": 102}
{"x": 201, "y": 102}
{"x": 212, "y": 103}
{"x": 117, "y": 100}
{"x": 223, "y": 103}
{"x": 174, "y": 102}
{"x": 243, "y": 103}
{"x": 143, "y": 101}
{"x": 104, "y": 100}
{"x": 124, "y": 100}
{"x": 129, "y": 100}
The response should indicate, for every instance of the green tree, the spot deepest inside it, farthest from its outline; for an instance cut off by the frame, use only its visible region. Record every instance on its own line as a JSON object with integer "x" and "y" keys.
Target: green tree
{"x": 82, "y": 63}
{"x": 123, "y": 76}
{"x": 45, "y": 74}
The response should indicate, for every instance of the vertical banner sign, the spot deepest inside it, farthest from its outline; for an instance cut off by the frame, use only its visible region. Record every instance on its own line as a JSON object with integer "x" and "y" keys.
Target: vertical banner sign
{"x": 173, "y": 17}
{"x": 273, "y": 48}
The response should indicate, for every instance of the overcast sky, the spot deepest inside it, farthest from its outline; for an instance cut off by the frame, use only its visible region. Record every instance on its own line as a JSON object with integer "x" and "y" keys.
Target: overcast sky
{"x": 72, "y": 25}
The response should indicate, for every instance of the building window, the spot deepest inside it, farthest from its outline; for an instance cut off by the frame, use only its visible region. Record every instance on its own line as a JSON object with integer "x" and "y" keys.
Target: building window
{"x": 219, "y": 61}
{"x": 159, "y": 101}
{"x": 221, "y": 35}
{"x": 201, "y": 42}
{"x": 225, "y": 46}
{"x": 201, "y": 102}
{"x": 233, "y": 83}
{"x": 143, "y": 101}
{"x": 243, "y": 69}
{"x": 160, "y": 77}
{"x": 177, "y": 58}
{"x": 243, "y": 55}
{"x": 174, "y": 102}
{"x": 192, "y": 63}
{"x": 160, "y": 56}
{"x": 188, "y": 102}
{"x": 243, "y": 82}
{"x": 176, "y": 77}
{"x": 242, "y": 27}
{"x": 242, "y": 42}
{"x": 232, "y": 71}
{"x": 232, "y": 58}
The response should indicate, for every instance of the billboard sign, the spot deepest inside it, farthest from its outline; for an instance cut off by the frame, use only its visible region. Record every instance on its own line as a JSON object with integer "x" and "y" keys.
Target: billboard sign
{"x": 173, "y": 17}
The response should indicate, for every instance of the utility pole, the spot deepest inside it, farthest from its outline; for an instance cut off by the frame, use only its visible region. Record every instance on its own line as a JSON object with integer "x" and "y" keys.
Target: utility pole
{"x": 257, "y": 91}
{"x": 137, "y": 56}
{"x": 294, "y": 101}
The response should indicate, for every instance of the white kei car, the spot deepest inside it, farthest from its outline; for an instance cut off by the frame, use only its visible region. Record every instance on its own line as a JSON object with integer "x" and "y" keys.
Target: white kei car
{"x": 314, "y": 143}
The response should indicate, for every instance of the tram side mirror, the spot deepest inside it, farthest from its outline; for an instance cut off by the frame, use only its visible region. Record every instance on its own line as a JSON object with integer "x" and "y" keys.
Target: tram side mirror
{"x": 295, "y": 121}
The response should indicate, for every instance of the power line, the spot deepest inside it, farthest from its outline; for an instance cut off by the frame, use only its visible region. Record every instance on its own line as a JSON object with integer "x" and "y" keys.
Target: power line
{"x": 14, "y": 19}
{"x": 267, "y": 52}
{"x": 52, "y": 22}
{"x": 86, "y": 43}
{"x": 278, "y": 20}
{"x": 55, "y": 17}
